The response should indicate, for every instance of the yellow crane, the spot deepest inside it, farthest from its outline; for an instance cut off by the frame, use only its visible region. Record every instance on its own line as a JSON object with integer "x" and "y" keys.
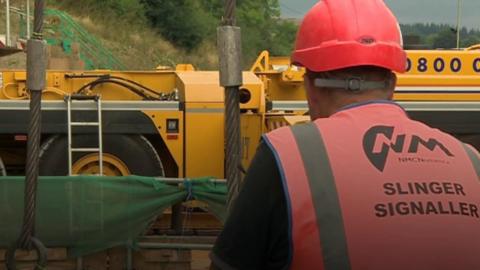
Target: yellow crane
{"x": 171, "y": 122}
{"x": 174, "y": 119}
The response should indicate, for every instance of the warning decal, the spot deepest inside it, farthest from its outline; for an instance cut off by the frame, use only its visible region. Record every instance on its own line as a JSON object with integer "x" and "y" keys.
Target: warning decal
{"x": 454, "y": 205}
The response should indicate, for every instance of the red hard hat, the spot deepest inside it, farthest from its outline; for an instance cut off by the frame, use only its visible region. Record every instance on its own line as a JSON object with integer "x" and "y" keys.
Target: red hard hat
{"x": 338, "y": 34}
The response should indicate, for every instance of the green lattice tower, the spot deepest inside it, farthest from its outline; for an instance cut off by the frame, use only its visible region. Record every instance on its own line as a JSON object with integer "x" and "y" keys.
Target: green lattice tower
{"x": 62, "y": 30}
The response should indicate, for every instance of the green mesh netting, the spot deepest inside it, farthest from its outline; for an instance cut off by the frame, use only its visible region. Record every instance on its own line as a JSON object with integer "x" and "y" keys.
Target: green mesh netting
{"x": 87, "y": 214}
{"x": 213, "y": 193}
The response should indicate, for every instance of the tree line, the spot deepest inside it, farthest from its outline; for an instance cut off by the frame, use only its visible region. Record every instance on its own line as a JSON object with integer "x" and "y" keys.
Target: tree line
{"x": 438, "y": 36}
{"x": 190, "y": 24}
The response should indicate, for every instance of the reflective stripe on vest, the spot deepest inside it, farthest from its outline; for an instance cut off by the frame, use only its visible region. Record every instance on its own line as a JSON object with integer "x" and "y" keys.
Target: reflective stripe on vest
{"x": 371, "y": 189}
{"x": 319, "y": 208}
{"x": 473, "y": 155}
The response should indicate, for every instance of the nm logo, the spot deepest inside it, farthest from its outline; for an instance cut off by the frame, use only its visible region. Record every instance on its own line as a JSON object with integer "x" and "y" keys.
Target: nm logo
{"x": 379, "y": 141}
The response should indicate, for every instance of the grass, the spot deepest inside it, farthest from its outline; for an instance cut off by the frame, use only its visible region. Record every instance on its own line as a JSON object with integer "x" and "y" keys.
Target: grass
{"x": 134, "y": 42}
{"x": 139, "y": 46}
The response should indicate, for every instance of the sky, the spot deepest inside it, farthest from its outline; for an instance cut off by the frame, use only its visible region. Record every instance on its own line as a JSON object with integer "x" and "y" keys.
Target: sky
{"x": 408, "y": 11}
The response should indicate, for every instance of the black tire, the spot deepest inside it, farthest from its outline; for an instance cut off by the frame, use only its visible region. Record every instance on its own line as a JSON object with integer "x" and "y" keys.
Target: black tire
{"x": 136, "y": 152}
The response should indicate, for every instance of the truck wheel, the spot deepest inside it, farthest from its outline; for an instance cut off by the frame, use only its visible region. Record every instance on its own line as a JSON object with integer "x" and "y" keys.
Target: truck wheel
{"x": 122, "y": 155}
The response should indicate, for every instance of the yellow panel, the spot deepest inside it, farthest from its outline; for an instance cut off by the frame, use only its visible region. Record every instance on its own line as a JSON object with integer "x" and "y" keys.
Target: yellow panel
{"x": 58, "y": 85}
{"x": 434, "y": 68}
{"x": 200, "y": 86}
{"x": 277, "y": 89}
{"x": 174, "y": 145}
{"x": 255, "y": 86}
{"x": 204, "y": 86}
{"x": 441, "y": 63}
{"x": 252, "y": 128}
{"x": 20, "y": 76}
{"x": 432, "y": 80}
{"x": 204, "y": 143}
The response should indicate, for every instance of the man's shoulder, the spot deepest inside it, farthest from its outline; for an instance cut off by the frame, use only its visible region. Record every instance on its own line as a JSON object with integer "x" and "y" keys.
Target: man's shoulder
{"x": 277, "y": 132}
{"x": 288, "y": 129}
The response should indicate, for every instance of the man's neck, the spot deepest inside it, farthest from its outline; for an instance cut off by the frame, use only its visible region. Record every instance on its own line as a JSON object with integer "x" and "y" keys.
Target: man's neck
{"x": 329, "y": 108}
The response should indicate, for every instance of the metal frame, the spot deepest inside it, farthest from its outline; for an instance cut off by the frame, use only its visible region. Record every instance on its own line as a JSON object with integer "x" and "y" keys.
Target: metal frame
{"x": 176, "y": 181}
{"x": 459, "y": 21}
{"x": 413, "y": 106}
{"x": 29, "y": 32}
{"x": 175, "y": 246}
{"x": 7, "y": 24}
{"x": 58, "y": 105}
{"x": 71, "y": 124}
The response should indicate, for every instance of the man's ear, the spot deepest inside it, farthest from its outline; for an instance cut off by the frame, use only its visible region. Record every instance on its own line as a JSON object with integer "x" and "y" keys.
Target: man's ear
{"x": 307, "y": 82}
{"x": 392, "y": 86}
{"x": 394, "y": 80}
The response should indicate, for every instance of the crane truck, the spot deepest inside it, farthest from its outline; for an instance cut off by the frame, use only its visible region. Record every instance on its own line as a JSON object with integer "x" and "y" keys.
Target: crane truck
{"x": 171, "y": 122}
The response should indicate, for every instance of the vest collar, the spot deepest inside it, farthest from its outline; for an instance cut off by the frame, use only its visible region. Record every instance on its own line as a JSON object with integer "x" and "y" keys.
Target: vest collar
{"x": 393, "y": 106}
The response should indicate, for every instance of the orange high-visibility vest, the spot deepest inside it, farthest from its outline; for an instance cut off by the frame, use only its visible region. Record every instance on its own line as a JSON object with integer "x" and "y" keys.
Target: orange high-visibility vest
{"x": 369, "y": 188}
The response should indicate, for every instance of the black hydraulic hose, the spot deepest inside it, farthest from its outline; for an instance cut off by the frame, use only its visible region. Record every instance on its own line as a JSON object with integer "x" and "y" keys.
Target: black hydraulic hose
{"x": 135, "y": 83}
{"x": 123, "y": 84}
{"x": 108, "y": 76}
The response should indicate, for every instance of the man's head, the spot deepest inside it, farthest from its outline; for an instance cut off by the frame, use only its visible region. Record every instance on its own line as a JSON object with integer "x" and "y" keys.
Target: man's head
{"x": 349, "y": 48}
{"x": 329, "y": 91}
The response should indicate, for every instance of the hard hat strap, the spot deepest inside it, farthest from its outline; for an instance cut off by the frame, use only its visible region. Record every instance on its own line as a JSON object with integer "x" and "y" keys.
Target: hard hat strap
{"x": 351, "y": 84}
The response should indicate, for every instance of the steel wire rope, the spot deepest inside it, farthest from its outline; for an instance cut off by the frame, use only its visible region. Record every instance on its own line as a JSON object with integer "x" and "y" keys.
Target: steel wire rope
{"x": 27, "y": 239}
{"x": 229, "y": 17}
{"x": 232, "y": 122}
{"x": 33, "y": 145}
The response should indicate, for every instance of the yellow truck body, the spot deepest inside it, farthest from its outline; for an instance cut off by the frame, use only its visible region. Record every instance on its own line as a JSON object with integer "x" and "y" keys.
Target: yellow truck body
{"x": 180, "y": 113}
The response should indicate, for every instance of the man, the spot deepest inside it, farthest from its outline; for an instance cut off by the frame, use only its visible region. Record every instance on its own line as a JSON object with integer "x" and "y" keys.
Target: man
{"x": 362, "y": 186}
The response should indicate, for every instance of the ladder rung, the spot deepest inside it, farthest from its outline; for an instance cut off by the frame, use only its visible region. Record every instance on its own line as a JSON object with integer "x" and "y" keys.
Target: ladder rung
{"x": 81, "y": 124}
{"x": 85, "y": 149}
{"x": 84, "y": 97}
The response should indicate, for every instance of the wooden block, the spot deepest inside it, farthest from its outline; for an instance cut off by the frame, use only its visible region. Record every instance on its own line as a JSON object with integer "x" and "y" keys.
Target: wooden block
{"x": 117, "y": 258}
{"x": 200, "y": 260}
{"x": 97, "y": 261}
{"x": 163, "y": 266}
{"x": 54, "y": 254}
{"x": 114, "y": 259}
{"x": 199, "y": 221}
{"x": 57, "y": 259}
{"x": 67, "y": 265}
{"x": 162, "y": 259}
{"x": 164, "y": 255}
